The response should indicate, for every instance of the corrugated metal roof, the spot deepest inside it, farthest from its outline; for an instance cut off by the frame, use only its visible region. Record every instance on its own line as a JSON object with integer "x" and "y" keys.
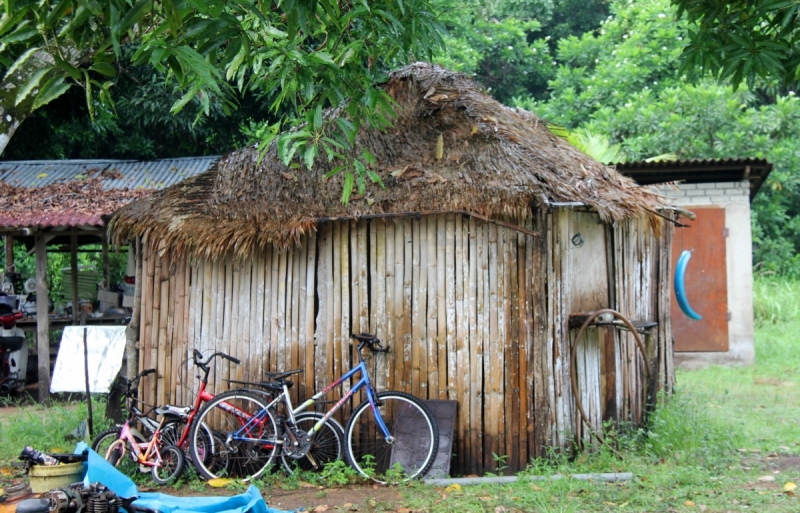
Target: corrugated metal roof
{"x": 136, "y": 174}
{"x": 700, "y": 171}
{"x": 133, "y": 175}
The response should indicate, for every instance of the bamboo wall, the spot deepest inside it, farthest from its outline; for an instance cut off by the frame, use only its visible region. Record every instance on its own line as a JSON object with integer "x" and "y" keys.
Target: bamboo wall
{"x": 473, "y": 312}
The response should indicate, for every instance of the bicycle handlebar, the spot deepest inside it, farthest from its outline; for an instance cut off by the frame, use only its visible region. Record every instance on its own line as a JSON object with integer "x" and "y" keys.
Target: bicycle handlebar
{"x": 128, "y": 389}
{"x": 198, "y": 359}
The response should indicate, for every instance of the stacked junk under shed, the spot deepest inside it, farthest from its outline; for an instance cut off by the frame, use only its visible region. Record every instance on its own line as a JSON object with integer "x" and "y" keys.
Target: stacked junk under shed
{"x": 491, "y": 237}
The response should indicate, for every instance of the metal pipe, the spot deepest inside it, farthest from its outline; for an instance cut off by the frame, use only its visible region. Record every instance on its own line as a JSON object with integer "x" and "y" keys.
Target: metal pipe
{"x": 605, "y": 477}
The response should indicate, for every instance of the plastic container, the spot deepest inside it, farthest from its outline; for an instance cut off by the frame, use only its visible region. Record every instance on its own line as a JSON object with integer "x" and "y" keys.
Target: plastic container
{"x": 45, "y": 478}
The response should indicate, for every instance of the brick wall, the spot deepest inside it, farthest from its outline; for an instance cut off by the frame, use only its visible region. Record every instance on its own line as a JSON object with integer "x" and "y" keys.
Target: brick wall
{"x": 709, "y": 193}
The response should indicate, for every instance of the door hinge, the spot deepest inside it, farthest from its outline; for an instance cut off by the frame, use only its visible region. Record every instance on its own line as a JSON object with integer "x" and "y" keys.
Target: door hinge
{"x": 725, "y": 232}
{"x": 728, "y": 316}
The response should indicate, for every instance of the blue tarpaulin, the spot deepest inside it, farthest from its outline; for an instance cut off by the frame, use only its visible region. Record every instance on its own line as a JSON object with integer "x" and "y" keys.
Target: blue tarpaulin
{"x": 99, "y": 470}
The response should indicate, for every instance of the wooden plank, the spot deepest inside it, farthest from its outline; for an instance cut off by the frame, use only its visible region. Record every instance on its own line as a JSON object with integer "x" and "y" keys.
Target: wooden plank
{"x": 493, "y": 368}
{"x": 299, "y": 347}
{"x": 271, "y": 342}
{"x": 152, "y": 381}
{"x": 441, "y": 305}
{"x": 235, "y": 341}
{"x": 450, "y": 278}
{"x": 474, "y": 349}
{"x": 245, "y": 295}
{"x": 515, "y": 440}
{"x": 282, "y": 307}
{"x": 462, "y": 367}
{"x": 418, "y": 314}
{"x": 340, "y": 331}
{"x": 484, "y": 323}
{"x": 324, "y": 333}
{"x": 389, "y": 308}
{"x": 363, "y": 275}
{"x": 169, "y": 342}
{"x": 293, "y": 358}
{"x": 432, "y": 341}
{"x": 406, "y": 330}
{"x": 348, "y": 245}
{"x": 311, "y": 266}
{"x": 148, "y": 269}
{"x": 378, "y": 295}
{"x": 226, "y": 344}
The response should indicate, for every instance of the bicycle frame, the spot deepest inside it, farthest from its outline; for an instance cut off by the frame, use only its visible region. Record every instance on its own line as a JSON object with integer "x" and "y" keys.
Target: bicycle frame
{"x": 364, "y": 382}
{"x": 150, "y": 447}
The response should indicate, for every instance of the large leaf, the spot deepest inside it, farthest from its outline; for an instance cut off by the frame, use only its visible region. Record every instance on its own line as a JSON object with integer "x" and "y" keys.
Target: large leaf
{"x": 31, "y": 84}
{"x": 54, "y": 88}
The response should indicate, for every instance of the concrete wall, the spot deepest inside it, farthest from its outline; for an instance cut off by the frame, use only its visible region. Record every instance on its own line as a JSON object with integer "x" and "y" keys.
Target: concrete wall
{"x": 735, "y": 198}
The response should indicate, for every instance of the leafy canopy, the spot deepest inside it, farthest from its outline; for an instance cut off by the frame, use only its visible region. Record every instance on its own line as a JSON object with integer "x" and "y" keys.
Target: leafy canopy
{"x": 743, "y": 39}
{"x": 306, "y": 55}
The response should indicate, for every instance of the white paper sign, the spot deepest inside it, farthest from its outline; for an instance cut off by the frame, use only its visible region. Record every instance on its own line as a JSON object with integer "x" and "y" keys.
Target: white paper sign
{"x": 106, "y": 347}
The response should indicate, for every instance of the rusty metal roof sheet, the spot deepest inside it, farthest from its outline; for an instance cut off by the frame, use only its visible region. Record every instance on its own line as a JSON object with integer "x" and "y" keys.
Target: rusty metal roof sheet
{"x": 136, "y": 174}
{"x": 700, "y": 171}
{"x": 25, "y": 177}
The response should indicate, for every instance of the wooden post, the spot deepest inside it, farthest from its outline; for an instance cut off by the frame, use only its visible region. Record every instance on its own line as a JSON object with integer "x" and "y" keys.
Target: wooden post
{"x": 42, "y": 321}
{"x": 9, "y": 253}
{"x": 132, "y": 331}
{"x": 106, "y": 270}
{"x": 73, "y": 263}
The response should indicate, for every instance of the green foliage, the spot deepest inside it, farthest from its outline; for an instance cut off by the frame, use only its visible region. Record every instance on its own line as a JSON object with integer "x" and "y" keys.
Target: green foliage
{"x": 624, "y": 82}
{"x": 305, "y": 56}
{"x": 743, "y": 39}
{"x": 776, "y": 300}
{"x": 495, "y": 41}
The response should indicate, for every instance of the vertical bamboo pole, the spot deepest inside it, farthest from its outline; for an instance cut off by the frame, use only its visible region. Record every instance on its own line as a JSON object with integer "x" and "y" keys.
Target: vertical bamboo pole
{"x": 450, "y": 278}
{"x": 418, "y": 316}
{"x": 379, "y": 299}
{"x": 311, "y": 274}
{"x": 389, "y": 309}
{"x": 441, "y": 306}
{"x": 462, "y": 366}
{"x": 474, "y": 348}
{"x": 432, "y": 341}
{"x": 324, "y": 332}
{"x": 408, "y": 291}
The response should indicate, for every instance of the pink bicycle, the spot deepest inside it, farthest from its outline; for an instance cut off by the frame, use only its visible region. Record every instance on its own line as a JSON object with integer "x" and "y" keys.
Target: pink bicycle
{"x": 165, "y": 462}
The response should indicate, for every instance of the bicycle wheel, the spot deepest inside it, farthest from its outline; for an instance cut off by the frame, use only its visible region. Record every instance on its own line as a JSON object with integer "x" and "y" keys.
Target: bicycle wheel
{"x": 229, "y": 415}
{"x": 411, "y": 448}
{"x": 171, "y": 465}
{"x": 104, "y": 441}
{"x": 327, "y": 444}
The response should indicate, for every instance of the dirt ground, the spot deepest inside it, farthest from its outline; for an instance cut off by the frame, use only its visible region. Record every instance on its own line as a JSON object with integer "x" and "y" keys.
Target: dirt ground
{"x": 354, "y": 498}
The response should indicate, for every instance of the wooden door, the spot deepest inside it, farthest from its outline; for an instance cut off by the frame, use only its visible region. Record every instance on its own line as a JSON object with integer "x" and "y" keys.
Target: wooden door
{"x": 706, "y": 283}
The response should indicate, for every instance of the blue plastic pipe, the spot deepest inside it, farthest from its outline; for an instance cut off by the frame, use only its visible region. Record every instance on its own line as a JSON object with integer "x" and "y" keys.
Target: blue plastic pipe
{"x": 680, "y": 291}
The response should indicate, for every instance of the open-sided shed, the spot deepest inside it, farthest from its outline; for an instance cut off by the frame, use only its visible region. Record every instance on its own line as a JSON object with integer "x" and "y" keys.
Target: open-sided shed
{"x": 490, "y": 232}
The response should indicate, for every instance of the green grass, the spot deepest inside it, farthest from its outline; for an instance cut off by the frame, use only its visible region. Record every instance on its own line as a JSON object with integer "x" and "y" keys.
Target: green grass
{"x": 704, "y": 450}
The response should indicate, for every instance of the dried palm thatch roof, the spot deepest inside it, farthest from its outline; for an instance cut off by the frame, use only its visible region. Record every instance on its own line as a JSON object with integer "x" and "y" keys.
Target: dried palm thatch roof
{"x": 492, "y": 160}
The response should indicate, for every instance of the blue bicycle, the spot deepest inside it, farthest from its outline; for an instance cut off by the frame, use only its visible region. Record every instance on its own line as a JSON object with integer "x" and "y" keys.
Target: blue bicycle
{"x": 390, "y": 437}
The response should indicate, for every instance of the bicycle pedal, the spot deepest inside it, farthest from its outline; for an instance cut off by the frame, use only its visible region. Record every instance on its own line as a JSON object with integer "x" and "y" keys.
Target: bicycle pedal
{"x": 144, "y": 469}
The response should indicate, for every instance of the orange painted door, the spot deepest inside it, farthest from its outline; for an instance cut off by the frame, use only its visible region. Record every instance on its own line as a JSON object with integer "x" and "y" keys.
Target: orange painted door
{"x": 706, "y": 283}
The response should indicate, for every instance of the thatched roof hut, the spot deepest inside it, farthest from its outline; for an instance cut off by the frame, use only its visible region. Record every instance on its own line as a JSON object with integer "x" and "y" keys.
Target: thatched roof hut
{"x": 490, "y": 232}
{"x": 494, "y": 161}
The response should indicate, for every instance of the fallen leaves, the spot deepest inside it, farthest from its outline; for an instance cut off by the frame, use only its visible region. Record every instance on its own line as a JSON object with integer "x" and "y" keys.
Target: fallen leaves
{"x": 29, "y": 205}
{"x": 789, "y": 487}
{"x": 219, "y": 482}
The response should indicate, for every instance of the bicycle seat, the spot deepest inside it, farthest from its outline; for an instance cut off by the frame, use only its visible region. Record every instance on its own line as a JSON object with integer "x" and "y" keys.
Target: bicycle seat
{"x": 279, "y": 376}
{"x": 273, "y": 386}
{"x": 176, "y": 412}
{"x": 364, "y": 337}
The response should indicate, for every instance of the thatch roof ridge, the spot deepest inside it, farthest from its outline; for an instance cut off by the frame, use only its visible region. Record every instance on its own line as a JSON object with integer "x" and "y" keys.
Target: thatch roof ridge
{"x": 494, "y": 161}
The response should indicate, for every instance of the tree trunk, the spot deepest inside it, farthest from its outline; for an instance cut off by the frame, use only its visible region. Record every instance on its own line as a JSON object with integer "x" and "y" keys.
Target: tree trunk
{"x": 11, "y": 116}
